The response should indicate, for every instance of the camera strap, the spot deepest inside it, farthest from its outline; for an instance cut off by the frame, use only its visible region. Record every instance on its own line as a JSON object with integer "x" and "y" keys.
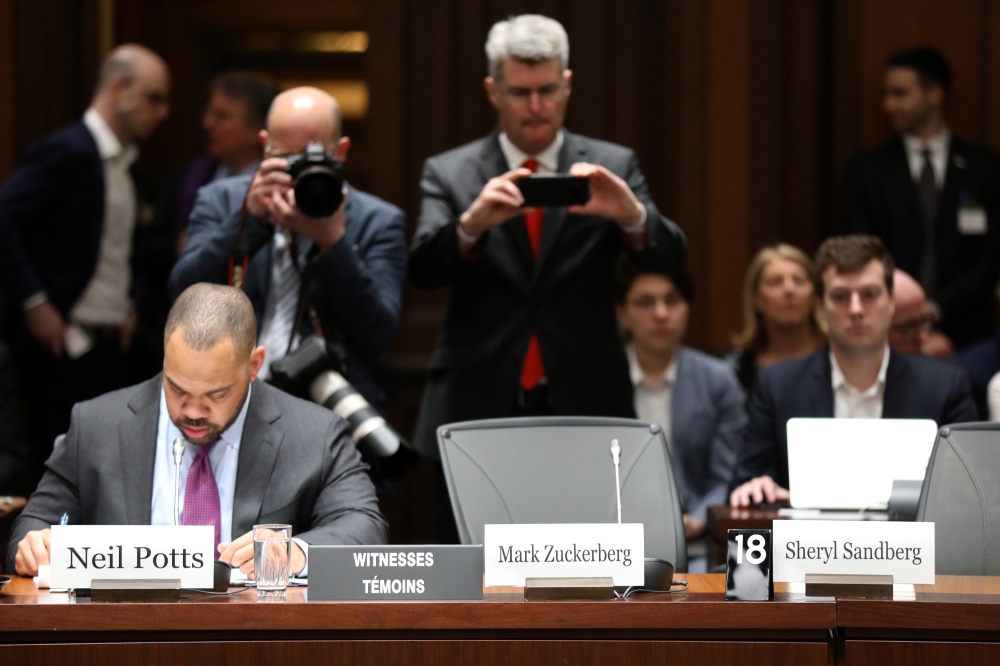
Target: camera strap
{"x": 246, "y": 246}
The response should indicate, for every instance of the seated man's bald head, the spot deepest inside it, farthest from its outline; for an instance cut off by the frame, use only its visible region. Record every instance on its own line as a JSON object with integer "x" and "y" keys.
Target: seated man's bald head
{"x": 304, "y": 114}
{"x": 208, "y": 313}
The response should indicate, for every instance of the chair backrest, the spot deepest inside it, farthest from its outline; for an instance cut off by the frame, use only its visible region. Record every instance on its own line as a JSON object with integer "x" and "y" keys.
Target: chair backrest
{"x": 559, "y": 470}
{"x": 961, "y": 496}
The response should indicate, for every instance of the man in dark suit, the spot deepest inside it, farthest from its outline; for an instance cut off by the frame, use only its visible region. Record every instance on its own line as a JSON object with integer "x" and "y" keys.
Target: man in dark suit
{"x": 932, "y": 198}
{"x": 348, "y": 268}
{"x": 530, "y": 328}
{"x": 253, "y": 454}
{"x": 68, "y": 217}
{"x": 859, "y": 376}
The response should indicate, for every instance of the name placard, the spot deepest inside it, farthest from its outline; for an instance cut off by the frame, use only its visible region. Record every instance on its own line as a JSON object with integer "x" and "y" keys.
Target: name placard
{"x": 902, "y": 550}
{"x": 81, "y": 553}
{"x": 604, "y": 550}
{"x": 385, "y": 573}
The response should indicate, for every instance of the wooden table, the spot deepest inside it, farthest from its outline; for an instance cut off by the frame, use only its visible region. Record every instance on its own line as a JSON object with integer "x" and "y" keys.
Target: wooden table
{"x": 694, "y": 627}
{"x": 955, "y": 621}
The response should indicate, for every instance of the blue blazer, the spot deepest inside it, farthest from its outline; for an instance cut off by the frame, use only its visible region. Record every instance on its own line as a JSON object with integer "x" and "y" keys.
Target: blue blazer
{"x": 358, "y": 286}
{"x": 52, "y": 218}
{"x": 915, "y": 388}
{"x": 706, "y": 423}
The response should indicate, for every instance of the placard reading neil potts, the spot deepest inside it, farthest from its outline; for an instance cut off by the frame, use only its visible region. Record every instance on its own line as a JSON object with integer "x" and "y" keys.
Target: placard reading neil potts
{"x": 902, "y": 550}
{"x": 516, "y": 552}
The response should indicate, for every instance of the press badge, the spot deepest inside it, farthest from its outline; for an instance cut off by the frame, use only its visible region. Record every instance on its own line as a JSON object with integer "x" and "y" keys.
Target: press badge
{"x": 972, "y": 221}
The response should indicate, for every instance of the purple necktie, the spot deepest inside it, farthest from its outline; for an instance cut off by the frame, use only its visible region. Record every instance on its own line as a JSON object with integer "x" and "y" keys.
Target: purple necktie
{"x": 201, "y": 495}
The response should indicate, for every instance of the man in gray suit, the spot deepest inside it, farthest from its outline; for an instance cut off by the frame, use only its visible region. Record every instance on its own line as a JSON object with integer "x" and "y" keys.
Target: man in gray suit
{"x": 694, "y": 397}
{"x": 254, "y": 454}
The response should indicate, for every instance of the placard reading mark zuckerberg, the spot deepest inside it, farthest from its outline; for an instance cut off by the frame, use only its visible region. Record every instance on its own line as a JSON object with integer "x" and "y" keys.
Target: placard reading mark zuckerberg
{"x": 902, "y": 550}
{"x": 516, "y": 552}
{"x": 81, "y": 553}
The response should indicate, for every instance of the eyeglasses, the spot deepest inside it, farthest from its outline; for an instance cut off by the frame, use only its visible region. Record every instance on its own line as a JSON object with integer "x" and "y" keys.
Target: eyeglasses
{"x": 913, "y": 328}
{"x": 546, "y": 94}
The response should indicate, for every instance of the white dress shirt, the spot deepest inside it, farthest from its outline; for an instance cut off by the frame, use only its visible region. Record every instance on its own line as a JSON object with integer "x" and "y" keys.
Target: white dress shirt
{"x": 849, "y": 402}
{"x": 548, "y": 159}
{"x": 105, "y": 300}
{"x": 938, "y": 144}
{"x": 224, "y": 458}
{"x": 653, "y": 402}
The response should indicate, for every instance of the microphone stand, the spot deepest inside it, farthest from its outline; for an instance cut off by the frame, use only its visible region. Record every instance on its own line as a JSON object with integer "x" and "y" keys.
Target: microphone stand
{"x": 178, "y": 456}
{"x": 616, "y": 454}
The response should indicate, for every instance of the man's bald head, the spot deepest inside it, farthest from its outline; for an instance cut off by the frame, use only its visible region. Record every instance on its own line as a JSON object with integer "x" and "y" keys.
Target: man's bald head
{"x": 126, "y": 62}
{"x": 907, "y": 294}
{"x": 206, "y": 313}
{"x": 909, "y": 322}
{"x": 301, "y": 115}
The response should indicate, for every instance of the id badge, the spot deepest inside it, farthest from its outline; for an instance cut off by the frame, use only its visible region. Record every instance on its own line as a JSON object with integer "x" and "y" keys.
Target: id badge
{"x": 972, "y": 221}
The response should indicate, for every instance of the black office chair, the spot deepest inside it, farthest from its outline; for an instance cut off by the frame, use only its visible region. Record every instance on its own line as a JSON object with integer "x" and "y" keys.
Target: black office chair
{"x": 961, "y": 496}
{"x": 559, "y": 470}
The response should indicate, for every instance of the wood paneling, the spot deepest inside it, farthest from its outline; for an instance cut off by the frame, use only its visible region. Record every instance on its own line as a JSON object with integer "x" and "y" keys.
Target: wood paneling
{"x": 377, "y": 653}
{"x": 8, "y": 91}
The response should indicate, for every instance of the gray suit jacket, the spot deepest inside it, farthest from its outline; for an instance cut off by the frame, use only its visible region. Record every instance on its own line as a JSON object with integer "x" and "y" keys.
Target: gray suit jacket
{"x": 706, "y": 426}
{"x": 297, "y": 465}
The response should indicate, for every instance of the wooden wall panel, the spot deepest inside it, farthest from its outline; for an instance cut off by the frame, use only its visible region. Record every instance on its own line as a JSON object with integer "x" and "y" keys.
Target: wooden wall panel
{"x": 952, "y": 26}
{"x": 8, "y": 91}
{"x": 728, "y": 152}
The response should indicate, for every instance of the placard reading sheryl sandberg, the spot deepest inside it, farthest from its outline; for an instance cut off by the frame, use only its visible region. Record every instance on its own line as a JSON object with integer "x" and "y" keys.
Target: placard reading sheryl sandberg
{"x": 902, "y": 550}
{"x": 605, "y": 550}
{"x": 81, "y": 553}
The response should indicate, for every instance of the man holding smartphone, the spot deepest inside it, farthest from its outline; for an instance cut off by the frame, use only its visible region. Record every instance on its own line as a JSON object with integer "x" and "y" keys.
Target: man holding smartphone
{"x": 530, "y": 328}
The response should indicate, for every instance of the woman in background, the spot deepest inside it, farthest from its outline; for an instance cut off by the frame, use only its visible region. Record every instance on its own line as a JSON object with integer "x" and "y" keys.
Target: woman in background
{"x": 779, "y": 313}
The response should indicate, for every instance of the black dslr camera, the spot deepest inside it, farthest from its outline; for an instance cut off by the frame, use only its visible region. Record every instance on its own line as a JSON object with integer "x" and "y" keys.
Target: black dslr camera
{"x": 318, "y": 180}
{"x": 314, "y": 372}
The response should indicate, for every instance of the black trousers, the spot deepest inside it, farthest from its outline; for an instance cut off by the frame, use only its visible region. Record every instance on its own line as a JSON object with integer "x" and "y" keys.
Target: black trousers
{"x": 52, "y": 386}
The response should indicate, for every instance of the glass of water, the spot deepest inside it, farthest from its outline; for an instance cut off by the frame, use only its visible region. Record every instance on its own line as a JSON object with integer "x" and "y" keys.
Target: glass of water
{"x": 272, "y": 554}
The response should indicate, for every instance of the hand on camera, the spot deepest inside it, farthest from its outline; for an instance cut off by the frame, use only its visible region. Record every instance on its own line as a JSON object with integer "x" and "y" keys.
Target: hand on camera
{"x": 610, "y": 196}
{"x": 272, "y": 199}
{"x": 46, "y": 326}
{"x": 499, "y": 201}
{"x": 755, "y": 491}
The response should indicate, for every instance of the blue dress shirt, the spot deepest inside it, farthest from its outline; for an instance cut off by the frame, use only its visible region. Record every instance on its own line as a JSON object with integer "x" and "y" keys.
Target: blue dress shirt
{"x": 224, "y": 458}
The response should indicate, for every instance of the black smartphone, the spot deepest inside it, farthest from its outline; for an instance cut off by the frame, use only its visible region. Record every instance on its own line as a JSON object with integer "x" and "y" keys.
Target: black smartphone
{"x": 554, "y": 189}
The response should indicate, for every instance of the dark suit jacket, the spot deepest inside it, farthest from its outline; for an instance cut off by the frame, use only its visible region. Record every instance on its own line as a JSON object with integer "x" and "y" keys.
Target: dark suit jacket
{"x": 52, "y": 218}
{"x": 882, "y": 199}
{"x": 915, "y": 388}
{"x": 500, "y": 298}
{"x": 297, "y": 465}
{"x": 357, "y": 286}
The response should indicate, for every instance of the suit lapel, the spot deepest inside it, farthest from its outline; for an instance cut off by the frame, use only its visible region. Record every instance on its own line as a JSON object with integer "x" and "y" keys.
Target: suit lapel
{"x": 894, "y": 397}
{"x": 514, "y": 233}
{"x": 259, "y": 448}
{"x": 555, "y": 218}
{"x": 137, "y": 449}
{"x": 821, "y": 400}
{"x": 954, "y": 177}
{"x": 901, "y": 181}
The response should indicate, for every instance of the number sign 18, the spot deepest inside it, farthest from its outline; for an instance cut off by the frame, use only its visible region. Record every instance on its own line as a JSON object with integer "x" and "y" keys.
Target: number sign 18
{"x": 749, "y": 575}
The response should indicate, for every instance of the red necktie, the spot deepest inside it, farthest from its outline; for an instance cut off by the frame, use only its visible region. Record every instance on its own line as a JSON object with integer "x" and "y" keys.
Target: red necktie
{"x": 533, "y": 370}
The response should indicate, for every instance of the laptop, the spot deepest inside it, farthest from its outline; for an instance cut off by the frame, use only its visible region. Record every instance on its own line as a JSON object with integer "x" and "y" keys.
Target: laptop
{"x": 851, "y": 463}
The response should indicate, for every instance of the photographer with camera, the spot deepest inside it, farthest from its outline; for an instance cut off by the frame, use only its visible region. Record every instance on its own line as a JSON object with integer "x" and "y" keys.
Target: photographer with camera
{"x": 316, "y": 256}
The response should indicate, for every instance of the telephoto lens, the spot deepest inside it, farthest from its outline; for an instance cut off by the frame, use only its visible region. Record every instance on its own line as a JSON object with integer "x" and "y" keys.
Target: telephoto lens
{"x": 313, "y": 371}
{"x": 318, "y": 180}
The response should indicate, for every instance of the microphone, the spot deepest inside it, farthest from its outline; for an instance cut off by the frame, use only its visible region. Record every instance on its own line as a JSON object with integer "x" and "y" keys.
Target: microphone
{"x": 178, "y": 456}
{"x": 616, "y": 455}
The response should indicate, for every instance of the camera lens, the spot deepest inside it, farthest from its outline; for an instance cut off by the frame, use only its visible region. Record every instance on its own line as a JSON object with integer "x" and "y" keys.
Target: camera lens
{"x": 318, "y": 192}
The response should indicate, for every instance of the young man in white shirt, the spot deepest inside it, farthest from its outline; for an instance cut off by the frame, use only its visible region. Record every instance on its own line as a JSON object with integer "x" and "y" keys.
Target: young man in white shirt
{"x": 858, "y": 376}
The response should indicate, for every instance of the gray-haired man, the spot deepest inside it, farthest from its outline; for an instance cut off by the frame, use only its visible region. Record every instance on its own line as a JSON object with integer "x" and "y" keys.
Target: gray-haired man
{"x": 531, "y": 328}
{"x": 255, "y": 455}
